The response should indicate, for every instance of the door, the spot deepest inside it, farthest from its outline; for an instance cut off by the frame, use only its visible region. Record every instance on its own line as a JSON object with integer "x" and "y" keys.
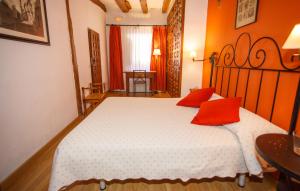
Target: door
{"x": 95, "y": 57}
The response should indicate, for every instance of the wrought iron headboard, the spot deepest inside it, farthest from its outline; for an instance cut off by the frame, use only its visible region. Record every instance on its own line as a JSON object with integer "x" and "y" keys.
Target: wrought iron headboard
{"x": 227, "y": 60}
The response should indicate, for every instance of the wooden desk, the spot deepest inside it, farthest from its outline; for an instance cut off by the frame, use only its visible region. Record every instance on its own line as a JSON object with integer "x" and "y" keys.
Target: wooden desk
{"x": 129, "y": 74}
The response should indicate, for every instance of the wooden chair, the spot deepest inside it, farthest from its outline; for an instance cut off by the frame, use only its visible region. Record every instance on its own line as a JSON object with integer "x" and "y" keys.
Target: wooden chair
{"x": 139, "y": 77}
{"x": 94, "y": 96}
{"x": 97, "y": 87}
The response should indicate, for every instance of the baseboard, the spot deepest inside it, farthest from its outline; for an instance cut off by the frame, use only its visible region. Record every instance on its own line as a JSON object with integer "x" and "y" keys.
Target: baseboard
{"x": 31, "y": 161}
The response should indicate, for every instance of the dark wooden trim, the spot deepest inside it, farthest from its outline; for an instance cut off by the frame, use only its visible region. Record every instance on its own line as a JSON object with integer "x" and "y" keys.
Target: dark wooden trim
{"x": 100, "y": 4}
{"x": 124, "y": 5}
{"x": 10, "y": 37}
{"x": 144, "y": 6}
{"x": 165, "y": 6}
{"x": 182, "y": 45}
{"x": 10, "y": 180}
{"x": 74, "y": 60}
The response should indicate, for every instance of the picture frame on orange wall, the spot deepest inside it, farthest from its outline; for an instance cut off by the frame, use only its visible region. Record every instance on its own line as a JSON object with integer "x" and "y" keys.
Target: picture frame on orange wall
{"x": 24, "y": 20}
{"x": 246, "y": 12}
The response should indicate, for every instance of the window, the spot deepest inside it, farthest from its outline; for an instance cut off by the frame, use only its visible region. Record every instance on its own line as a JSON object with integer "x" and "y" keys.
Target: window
{"x": 136, "y": 47}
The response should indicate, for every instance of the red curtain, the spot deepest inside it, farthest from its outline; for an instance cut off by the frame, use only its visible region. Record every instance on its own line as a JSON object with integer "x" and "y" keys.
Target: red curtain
{"x": 159, "y": 63}
{"x": 115, "y": 59}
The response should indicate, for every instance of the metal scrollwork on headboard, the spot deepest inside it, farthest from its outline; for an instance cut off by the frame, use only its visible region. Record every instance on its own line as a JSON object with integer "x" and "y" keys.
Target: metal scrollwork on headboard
{"x": 229, "y": 54}
{"x": 255, "y": 59}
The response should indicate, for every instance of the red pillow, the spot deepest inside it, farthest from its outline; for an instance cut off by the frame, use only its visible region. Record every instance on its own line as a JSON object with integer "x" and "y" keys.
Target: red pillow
{"x": 197, "y": 97}
{"x": 218, "y": 112}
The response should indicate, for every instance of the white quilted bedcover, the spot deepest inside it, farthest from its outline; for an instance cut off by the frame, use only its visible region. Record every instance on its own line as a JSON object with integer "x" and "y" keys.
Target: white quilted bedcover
{"x": 132, "y": 138}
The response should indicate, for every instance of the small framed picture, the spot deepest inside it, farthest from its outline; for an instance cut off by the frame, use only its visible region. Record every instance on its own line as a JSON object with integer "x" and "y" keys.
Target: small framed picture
{"x": 246, "y": 12}
{"x": 24, "y": 20}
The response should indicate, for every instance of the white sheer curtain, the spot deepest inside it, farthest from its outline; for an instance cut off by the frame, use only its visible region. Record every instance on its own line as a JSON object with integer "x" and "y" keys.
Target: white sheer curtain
{"x": 136, "y": 47}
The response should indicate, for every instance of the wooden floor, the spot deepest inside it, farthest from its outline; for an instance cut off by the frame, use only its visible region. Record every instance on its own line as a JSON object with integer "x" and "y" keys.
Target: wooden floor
{"x": 267, "y": 185}
{"x": 35, "y": 175}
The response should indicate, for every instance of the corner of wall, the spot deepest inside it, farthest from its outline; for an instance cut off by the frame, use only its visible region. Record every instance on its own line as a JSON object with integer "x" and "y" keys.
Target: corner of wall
{"x": 194, "y": 40}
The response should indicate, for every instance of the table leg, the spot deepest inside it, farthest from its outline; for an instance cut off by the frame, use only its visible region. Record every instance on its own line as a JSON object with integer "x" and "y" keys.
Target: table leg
{"x": 284, "y": 183}
{"x": 127, "y": 84}
{"x": 84, "y": 107}
{"x": 153, "y": 81}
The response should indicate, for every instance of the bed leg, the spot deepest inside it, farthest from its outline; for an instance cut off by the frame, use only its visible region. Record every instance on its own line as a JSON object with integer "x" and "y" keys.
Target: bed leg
{"x": 242, "y": 180}
{"x": 102, "y": 185}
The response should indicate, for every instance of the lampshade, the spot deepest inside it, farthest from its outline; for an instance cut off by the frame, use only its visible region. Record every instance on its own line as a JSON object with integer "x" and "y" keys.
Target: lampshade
{"x": 156, "y": 52}
{"x": 293, "y": 41}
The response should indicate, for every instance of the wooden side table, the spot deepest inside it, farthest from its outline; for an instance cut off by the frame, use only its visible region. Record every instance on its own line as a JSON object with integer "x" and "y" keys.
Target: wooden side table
{"x": 277, "y": 150}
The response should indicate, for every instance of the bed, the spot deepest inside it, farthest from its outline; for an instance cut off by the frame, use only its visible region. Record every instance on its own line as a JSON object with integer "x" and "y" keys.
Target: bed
{"x": 145, "y": 138}
{"x": 133, "y": 138}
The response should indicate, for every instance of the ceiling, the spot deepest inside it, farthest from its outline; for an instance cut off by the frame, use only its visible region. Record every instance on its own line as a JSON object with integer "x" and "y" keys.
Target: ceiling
{"x": 112, "y": 6}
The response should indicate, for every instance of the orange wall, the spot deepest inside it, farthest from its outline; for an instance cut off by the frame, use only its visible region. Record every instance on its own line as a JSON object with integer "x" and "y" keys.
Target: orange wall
{"x": 275, "y": 18}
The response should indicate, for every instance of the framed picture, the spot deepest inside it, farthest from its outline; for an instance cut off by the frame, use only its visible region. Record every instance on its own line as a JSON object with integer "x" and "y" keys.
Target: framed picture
{"x": 24, "y": 20}
{"x": 246, "y": 12}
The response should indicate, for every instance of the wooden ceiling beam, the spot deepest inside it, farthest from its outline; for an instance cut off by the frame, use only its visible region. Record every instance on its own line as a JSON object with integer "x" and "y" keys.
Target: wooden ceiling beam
{"x": 165, "y": 6}
{"x": 128, "y": 5}
{"x": 144, "y": 6}
{"x": 124, "y": 5}
{"x": 100, "y": 4}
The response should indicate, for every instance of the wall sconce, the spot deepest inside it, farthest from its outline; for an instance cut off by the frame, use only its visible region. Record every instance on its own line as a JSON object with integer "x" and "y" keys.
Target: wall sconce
{"x": 193, "y": 54}
{"x": 293, "y": 41}
{"x": 212, "y": 60}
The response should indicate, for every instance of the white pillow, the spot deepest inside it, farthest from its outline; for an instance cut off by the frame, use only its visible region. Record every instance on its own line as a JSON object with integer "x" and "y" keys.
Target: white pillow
{"x": 215, "y": 97}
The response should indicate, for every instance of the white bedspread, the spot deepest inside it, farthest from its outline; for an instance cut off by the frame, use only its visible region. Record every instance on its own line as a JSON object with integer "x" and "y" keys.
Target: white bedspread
{"x": 132, "y": 138}
{"x": 247, "y": 130}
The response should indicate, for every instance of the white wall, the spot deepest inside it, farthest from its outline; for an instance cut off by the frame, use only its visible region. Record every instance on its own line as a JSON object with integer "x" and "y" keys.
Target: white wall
{"x": 194, "y": 39}
{"x": 37, "y": 92}
{"x": 86, "y": 14}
